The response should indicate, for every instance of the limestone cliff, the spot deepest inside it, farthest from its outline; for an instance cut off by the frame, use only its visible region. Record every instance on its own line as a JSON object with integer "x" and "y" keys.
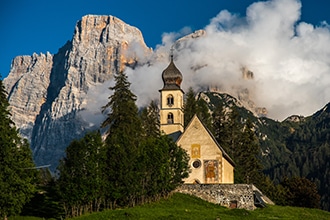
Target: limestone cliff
{"x": 46, "y": 92}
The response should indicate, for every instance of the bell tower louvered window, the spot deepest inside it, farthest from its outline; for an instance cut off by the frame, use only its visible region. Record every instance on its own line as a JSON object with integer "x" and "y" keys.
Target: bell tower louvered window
{"x": 170, "y": 100}
{"x": 170, "y": 118}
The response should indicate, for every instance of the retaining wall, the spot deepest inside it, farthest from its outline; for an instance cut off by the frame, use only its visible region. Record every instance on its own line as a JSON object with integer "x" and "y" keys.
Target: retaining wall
{"x": 230, "y": 195}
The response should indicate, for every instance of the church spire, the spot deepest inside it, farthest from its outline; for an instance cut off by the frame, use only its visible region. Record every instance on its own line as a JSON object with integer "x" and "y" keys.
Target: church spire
{"x": 171, "y": 100}
{"x": 172, "y": 76}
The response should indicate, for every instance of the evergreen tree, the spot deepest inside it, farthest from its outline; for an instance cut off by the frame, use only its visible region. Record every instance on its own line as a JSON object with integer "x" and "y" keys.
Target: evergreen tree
{"x": 190, "y": 106}
{"x": 301, "y": 192}
{"x": 17, "y": 170}
{"x": 218, "y": 118}
{"x": 123, "y": 123}
{"x": 249, "y": 168}
{"x": 162, "y": 166}
{"x": 227, "y": 128}
{"x": 81, "y": 183}
{"x": 150, "y": 120}
{"x": 197, "y": 106}
{"x": 45, "y": 202}
{"x": 124, "y": 132}
{"x": 204, "y": 114}
{"x": 240, "y": 142}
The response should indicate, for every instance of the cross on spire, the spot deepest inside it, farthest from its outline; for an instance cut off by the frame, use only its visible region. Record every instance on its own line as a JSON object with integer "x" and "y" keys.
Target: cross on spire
{"x": 171, "y": 53}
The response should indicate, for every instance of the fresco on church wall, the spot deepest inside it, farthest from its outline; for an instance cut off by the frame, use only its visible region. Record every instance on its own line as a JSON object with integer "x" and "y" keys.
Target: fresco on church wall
{"x": 195, "y": 151}
{"x": 211, "y": 171}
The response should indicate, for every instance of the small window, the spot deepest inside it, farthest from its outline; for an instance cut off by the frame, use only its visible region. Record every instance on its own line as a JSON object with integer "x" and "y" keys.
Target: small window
{"x": 197, "y": 164}
{"x": 170, "y": 100}
{"x": 170, "y": 118}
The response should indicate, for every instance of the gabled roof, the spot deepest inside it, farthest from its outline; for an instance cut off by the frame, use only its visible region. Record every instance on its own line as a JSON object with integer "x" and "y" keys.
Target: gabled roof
{"x": 225, "y": 155}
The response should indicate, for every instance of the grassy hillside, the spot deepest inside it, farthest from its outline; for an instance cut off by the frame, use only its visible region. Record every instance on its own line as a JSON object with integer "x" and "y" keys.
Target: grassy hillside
{"x": 181, "y": 206}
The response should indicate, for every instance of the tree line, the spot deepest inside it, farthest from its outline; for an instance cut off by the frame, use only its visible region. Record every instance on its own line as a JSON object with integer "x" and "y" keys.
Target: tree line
{"x": 127, "y": 162}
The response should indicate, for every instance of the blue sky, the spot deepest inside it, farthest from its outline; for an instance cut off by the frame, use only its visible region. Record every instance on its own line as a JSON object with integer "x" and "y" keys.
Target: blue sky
{"x": 29, "y": 26}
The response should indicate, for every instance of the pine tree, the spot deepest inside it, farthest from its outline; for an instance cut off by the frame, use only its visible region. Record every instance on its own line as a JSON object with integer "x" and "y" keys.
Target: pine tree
{"x": 249, "y": 168}
{"x": 17, "y": 170}
{"x": 203, "y": 113}
{"x": 45, "y": 203}
{"x": 197, "y": 106}
{"x": 123, "y": 123}
{"x": 240, "y": 142}
{"x": 150, "y": 120}
{"x": 227, "y": 128}
{"x": 190, "y": 106}
{"x": 124, "y": 132}
{"x": 218, "y": 118}
{"x": 301, "y": 192}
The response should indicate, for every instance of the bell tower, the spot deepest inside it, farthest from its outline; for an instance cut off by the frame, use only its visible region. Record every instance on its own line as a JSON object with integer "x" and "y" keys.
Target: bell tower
{"x": 171, "y": 100}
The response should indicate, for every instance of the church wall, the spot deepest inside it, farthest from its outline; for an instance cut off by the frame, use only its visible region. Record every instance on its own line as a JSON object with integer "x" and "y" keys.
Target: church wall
{"x": 228, "y": 172}
{"x": 204, "y": 152}
{"x": 169, "y": 129}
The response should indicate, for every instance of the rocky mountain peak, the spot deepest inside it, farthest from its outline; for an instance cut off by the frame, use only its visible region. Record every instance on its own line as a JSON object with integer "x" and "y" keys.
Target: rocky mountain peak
{"x": 47, "y": 91}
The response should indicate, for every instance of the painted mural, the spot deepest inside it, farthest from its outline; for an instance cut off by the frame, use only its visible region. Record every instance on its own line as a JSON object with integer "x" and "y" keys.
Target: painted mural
{"x": 195, "y": 151}
{"x": 211, "y": 171}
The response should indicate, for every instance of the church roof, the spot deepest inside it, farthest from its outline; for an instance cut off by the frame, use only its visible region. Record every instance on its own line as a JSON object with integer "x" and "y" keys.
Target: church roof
{"x": 175, "y": 135}
{"x": 171, "y": 76}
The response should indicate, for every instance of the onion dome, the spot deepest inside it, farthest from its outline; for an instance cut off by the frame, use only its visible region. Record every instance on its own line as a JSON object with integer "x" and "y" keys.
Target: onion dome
{"x": 172, "y": 76}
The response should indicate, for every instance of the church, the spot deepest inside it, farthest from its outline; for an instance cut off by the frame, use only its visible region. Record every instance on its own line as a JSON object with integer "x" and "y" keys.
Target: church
{"x": 209, "y": 163}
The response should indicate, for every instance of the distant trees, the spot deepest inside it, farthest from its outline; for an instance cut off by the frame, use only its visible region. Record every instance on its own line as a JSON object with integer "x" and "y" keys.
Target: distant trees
{"x": 150, "y": 120}
{"x": 198, "y": 106}
{"x": 133, "y": 165}
{"x": 190, "y": 106}
{"x": 238, "y": 138}
{"x": 17, "y": 170}
{"x": 300, "y": 192}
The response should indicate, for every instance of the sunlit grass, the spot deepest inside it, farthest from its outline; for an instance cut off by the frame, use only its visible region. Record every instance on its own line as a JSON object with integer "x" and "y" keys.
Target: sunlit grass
{"x": 181, "y": 206}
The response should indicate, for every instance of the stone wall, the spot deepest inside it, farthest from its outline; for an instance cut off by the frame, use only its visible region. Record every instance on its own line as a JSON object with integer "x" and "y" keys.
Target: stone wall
{"x": 230, "y": 195}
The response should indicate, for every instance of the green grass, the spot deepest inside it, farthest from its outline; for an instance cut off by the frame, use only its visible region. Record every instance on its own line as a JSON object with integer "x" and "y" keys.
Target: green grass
{"x": 24, "y": 218}
{"x": 181, "y": 206}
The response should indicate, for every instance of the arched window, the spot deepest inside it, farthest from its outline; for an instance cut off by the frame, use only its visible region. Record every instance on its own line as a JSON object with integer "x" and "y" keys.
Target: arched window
{"x": 170, "y": 118}
{"x": 170, "y": 100}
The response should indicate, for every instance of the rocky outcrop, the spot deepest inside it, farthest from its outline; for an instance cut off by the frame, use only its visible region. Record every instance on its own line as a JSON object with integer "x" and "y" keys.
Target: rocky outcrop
{"x": 47, "y": 92}
{"x": 27, "y": 86}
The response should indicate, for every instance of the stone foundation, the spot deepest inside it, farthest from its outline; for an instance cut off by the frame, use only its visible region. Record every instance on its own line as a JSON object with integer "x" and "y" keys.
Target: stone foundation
{"x": 239, "y": 196}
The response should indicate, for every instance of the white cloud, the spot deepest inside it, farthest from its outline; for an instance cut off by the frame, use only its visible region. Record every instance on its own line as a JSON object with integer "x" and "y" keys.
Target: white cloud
{"x": 290, "y": 59}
